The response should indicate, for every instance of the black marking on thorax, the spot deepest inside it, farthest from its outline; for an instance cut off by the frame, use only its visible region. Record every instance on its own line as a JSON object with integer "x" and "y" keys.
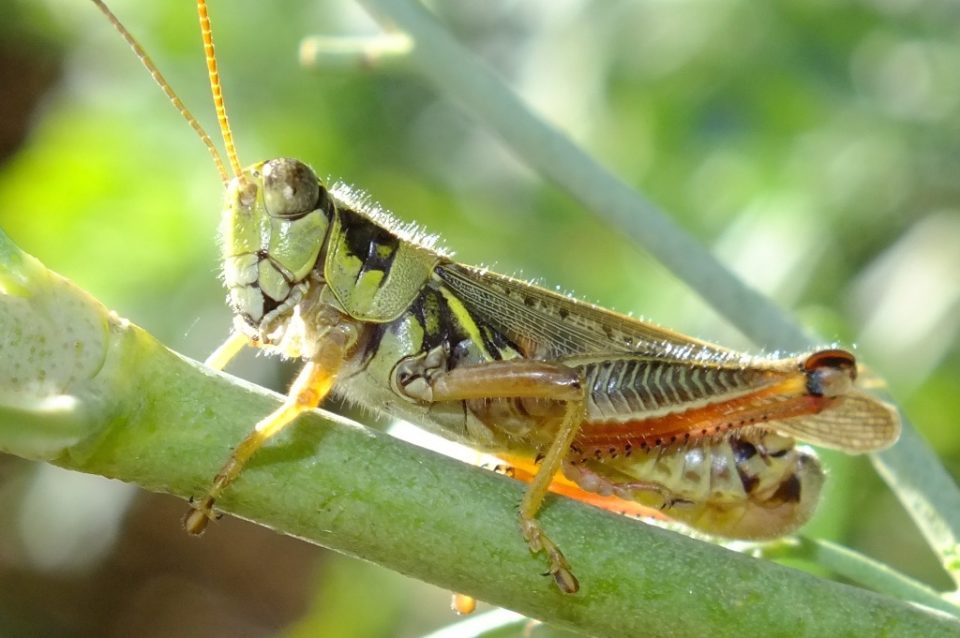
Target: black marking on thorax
{"x": 441, "y": 326}
{"x": 373, "y": 245}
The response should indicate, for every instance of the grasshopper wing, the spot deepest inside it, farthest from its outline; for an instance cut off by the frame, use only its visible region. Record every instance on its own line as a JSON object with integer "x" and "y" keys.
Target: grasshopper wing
{"x": 855, "y": 423}
{"x": 549, "y": 325}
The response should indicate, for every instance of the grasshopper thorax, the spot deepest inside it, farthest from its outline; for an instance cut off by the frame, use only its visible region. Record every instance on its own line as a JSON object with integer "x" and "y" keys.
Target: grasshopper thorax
{"x": 275, "y": 219}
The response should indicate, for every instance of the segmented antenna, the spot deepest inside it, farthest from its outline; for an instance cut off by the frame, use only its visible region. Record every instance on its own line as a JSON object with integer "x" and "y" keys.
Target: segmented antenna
{"x": 215, "y": 88}
{"x": 167, "y": 89}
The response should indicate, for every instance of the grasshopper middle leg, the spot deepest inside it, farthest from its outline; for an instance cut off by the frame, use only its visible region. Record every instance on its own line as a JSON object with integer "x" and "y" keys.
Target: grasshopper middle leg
{"x": 309, "y": 389}
{"x": 227, "y": 350}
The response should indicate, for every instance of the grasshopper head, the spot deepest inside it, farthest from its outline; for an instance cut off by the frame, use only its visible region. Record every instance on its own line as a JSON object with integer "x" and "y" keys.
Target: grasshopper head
{"x": 275, "y": 218}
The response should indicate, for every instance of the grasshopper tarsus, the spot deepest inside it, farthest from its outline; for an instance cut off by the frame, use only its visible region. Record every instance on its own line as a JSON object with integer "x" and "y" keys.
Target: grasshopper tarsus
{"x": 462, "y": 604}
{"x": 197, "y": 518}
{"x": 560, "y": 569}
{"x": 566, "y": 581}
{"x": 538, "y": 541}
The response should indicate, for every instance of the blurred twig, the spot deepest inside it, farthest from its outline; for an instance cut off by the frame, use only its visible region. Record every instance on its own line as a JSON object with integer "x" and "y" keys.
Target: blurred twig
{"x": 354, "y": 52}
{"x": 859, "y": 569}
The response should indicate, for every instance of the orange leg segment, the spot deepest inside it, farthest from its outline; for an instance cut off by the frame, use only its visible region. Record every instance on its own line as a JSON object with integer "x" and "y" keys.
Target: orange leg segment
{"x": 227, "y": 350}
{"x": 309, "y": 389}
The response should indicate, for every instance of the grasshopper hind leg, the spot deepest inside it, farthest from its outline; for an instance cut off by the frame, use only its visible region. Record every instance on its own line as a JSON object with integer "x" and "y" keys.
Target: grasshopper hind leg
{"x": 517, "y": 379}
{"x": 533, "y": 498}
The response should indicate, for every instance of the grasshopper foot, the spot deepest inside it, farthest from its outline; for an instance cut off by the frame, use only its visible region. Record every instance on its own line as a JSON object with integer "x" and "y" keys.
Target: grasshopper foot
{"x": 463, "y": 605}
{"x": 538, "y": 541}
{"x": 196, "y": 520}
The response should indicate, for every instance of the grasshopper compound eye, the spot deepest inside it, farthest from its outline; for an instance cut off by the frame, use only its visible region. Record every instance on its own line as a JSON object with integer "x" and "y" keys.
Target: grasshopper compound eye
{"x": 290, "y": 188}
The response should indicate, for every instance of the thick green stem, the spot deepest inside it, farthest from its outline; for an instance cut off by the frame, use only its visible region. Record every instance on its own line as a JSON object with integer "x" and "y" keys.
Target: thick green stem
{"x": 132, "y": 410}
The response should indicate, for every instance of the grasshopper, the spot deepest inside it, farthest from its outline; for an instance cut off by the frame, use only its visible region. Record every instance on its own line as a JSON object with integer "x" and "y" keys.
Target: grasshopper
{"x": 618, "y": 406}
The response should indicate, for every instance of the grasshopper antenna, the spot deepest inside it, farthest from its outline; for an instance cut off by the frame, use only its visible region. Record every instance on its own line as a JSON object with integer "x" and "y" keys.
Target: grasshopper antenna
{"x": 171, "y": 94}
{"x": 207, "y": 34}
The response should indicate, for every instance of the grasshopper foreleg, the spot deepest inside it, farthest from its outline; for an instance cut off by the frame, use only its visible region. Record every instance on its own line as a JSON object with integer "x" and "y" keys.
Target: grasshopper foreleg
{"x": 227, "y": 350}
{"x": 521, "y": 379}
{"x": 308, "y": 390}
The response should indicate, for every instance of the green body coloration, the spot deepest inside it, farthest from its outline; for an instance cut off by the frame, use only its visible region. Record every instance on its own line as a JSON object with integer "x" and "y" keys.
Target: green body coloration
{"x": 300, "y": 259}
{"x": 268, "y": 251}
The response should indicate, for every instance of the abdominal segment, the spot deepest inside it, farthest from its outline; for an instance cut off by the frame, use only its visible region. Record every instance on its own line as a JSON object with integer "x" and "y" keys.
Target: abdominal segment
{"x": 719, "y": 468}
{"x": 752, "y": 486}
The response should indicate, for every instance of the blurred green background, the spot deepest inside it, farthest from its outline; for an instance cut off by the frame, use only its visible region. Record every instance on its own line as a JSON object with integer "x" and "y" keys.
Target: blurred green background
{"x": 813, "y": 145}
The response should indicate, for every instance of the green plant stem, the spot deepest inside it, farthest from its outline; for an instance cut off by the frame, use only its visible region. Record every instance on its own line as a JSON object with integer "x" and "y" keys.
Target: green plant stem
{"x": 146, "y": 415}
{"x": 858, "y": 569}
{"x": 910, "y": 467}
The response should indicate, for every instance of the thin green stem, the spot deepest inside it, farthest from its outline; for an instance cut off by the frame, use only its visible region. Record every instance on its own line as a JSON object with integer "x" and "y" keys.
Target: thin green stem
{"x": 858, "y": 569}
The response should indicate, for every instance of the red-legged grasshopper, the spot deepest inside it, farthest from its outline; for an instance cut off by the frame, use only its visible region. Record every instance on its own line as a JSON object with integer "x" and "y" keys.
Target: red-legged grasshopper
{"x": 618, "y": 406}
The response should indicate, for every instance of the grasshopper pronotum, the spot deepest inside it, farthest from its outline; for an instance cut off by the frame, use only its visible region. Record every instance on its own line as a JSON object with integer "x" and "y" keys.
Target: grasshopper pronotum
{"x": 619, "y": 406}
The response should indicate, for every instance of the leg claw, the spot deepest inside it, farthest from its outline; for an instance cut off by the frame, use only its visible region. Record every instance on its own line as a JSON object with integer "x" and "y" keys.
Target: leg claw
{"x": 196, "y": 520}
{"x": 566, "y": 581}
{"x": 537, "y": 541}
